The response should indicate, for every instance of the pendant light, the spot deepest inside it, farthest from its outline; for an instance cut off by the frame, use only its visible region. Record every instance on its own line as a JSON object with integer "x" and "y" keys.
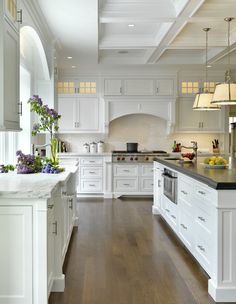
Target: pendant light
{"x": 203, "y": 99}
{"x": 225, "y": 93}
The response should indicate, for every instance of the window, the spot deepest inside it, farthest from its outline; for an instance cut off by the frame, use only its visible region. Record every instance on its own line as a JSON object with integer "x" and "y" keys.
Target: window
{"x": 87, "y": 87}
{"x": 67, "y": 87}
{"x": 189, "y": 87}
{"x": 210, "y": 86}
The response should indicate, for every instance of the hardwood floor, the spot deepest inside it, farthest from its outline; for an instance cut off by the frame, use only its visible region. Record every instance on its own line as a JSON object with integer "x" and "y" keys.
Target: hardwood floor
{"x": 122, "y": 254}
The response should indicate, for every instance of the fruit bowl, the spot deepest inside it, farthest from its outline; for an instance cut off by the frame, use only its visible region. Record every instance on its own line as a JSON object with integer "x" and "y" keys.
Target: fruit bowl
{"x": 187, "y": 157}
{"x": 215, "y": 162}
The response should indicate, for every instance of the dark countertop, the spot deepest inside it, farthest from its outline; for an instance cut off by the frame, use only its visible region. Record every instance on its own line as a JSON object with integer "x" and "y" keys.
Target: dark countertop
{"x": 223, "y": 179}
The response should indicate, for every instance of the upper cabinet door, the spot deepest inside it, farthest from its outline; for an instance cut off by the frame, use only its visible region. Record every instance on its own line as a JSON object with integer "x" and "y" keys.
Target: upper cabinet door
{"x": 12, "y": 13}
{"x": 112, "y": 87}
{"x": 10, "y": 93}
{"x": 165, "y": 87}
{"x": 138, "y": 87}
{"x": 87, "y": 114}
{"x": 66, "y": 108}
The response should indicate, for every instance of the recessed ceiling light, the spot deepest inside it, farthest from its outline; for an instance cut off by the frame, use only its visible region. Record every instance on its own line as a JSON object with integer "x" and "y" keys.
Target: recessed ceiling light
{"x": 69, "y": 57}
{"x": 73, "y": 66}
{"x": 123, "y": 52}
{"x": 209, "y": 66}
{"x": 131, "y": 25}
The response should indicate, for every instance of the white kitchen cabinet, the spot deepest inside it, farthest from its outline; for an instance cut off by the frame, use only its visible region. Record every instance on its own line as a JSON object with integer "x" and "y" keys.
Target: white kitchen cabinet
{"x": 9, "y": 77}
{"x": 51, "y": 233}
{"x": 112, "y": 87}
{"x": 78, "y": 114}
{"x": 139, "y": 87}
{"x": 16, "y": 262}
{"x": 164, "y": 87}
{"x": 157, "y": 207}
{"x": 132, "y": 179}
{"x": 190, "y": 120}
{"x": 90, "y": 175}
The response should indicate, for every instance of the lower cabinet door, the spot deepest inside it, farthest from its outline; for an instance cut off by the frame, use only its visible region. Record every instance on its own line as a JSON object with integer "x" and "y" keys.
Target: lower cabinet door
{"x": 126, "y": 185}
{"x": 186, "y": 228}
{"x": 146, "y": 184}
{"x": 16, "y": 264}
{"x": 51, "y": 232}
{"x": 91, "y": 185}
{"x": 203, "y": 248}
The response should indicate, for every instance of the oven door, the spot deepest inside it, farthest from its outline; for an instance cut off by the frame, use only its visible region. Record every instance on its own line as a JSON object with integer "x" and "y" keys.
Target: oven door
{"x": 170, "y": 187}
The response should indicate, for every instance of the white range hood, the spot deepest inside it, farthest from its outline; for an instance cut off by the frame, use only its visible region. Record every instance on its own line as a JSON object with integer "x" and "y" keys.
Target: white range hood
{"x": 164, "y": 109}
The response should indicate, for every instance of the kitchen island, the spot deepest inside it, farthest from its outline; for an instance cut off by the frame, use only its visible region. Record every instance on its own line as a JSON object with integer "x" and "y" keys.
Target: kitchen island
{"x": 203, "y": 217}
{"x": 37, "y": 216}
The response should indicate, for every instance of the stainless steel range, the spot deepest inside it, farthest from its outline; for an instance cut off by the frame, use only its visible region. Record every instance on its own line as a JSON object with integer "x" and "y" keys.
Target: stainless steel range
{"x": 138, "y": 157}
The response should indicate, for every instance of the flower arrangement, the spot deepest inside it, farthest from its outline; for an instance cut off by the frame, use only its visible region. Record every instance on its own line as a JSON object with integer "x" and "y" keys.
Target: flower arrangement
{"x": 48, "y": 122}
{"x": 27, "y": 163}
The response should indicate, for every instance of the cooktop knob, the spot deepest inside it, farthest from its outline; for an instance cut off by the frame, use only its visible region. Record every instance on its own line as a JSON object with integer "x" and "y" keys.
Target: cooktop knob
{"x": 147, "y": 158}
{"x": 118, "y": 158}
{"x": 123, "y": 158}
{"x": 136, "y": 158}
{"x": 131, "y": 158}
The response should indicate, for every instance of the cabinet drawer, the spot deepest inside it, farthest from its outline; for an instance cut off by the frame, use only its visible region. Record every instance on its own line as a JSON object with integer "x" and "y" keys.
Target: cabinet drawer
{"x": 91, "y": 172}
{"x": 124, "y": 170}
{"x": 126, "y": 185}
{"x": 91, "y": 161}
{"x": 185, "y": 190}
{"x": 186, "y": 228}
{"x": 203, "y": 193}
{"x": 203, "y": 249}
{"x": 146, "y": 184}
{"x": 147, "y": 170}
{"x": 91, "y": 185}
{"x": 203, "y": 214}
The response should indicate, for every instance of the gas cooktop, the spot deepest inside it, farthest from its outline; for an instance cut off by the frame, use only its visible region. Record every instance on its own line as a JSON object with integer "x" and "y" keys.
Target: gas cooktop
{"x": 134, "y": 157}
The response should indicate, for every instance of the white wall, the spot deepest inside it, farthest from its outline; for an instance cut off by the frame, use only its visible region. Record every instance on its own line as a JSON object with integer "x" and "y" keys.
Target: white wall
{"x": 148, "y": 131}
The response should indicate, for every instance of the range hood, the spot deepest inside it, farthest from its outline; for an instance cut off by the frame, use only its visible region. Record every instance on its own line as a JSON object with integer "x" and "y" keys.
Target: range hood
{"x": 164, "y": 109}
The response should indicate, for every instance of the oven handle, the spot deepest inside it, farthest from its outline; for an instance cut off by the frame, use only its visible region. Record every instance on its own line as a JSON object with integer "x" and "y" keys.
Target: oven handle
{"x": 168, "y": 176}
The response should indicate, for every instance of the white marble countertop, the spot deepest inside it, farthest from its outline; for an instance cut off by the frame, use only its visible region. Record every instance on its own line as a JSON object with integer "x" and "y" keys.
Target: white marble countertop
{"x": 75, "y": 154}
{"x": 32, "y": 186}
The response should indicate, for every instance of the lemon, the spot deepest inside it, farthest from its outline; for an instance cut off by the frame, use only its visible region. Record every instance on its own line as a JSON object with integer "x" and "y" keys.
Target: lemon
{"x": 211, "y": 163}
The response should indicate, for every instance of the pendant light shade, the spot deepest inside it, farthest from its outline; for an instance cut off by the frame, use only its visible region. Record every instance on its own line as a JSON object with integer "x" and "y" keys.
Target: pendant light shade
{"x": 225, "y": 93}
{"x": 203, "y": 102}
{"x": 203, "y": 99}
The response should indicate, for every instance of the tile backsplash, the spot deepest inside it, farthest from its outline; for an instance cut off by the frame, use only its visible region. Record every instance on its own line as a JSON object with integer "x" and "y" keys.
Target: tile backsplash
{"x": 148, "y": 131}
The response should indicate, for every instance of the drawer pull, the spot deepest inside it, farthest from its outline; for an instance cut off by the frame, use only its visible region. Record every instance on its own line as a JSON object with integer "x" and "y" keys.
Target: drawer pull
{"x": 174, "y": 217}
{"x": 201, "y": 248}
{"x": 201, "y": 192}
{"x": 184, "y": 226}
{"x": 91, "y": 172}
{"x": 167, "y": 210}
{"x": 125, "y": 170}
{"x": 92, "y": 161}
{"x": 151, "y": 184}
{"x": 184, "y": 192}
{"x": 201, "y": 218}
{"x": 50, "y": 206}
{"x": 55, "y": 225}
{"x": 71, "y": 203}
{"x": 159, "y": 183}
{"x": 126, "y": 184}
{"x": 92, "y": 185}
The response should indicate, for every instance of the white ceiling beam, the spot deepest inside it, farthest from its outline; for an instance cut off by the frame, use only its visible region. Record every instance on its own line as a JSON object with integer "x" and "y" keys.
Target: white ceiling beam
{"x": 187, "y": 13}
{"x": 137, "y": 19}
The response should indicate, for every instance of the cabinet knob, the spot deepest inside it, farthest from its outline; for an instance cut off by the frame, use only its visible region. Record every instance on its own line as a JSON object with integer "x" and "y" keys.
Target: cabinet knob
{"x": 55, "y": 227}
{"x": 201, "y": 192}
{"x": 50, "y": 206}
{"x": 20, "y": 108}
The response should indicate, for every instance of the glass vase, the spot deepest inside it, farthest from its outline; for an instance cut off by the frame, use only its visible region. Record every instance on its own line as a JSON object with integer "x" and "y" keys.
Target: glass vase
{"x": 53, "y": 154}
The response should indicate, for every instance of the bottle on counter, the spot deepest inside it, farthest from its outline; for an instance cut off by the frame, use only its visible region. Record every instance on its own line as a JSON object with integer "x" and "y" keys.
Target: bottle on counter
{"x": 93, "y": 147}
{"x": 86, "y": 148}
{"x": 174, "y": 146}
{"x": 100, "y": 146}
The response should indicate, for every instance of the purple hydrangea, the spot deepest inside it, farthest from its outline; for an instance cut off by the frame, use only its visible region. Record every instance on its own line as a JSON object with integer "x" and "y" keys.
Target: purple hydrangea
{"x": 36, "y": 126}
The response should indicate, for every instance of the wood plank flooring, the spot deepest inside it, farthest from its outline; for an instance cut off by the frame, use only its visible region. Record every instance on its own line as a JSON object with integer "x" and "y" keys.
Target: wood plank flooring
{"x": 122, "y": 254}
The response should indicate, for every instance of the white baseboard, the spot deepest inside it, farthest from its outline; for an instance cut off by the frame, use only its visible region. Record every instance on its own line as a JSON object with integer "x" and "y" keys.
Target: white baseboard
{"x": 222, "y": 294}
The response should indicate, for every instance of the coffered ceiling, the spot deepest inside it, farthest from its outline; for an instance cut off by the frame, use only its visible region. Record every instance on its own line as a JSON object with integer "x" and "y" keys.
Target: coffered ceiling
{"x": 160, "y": 32}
